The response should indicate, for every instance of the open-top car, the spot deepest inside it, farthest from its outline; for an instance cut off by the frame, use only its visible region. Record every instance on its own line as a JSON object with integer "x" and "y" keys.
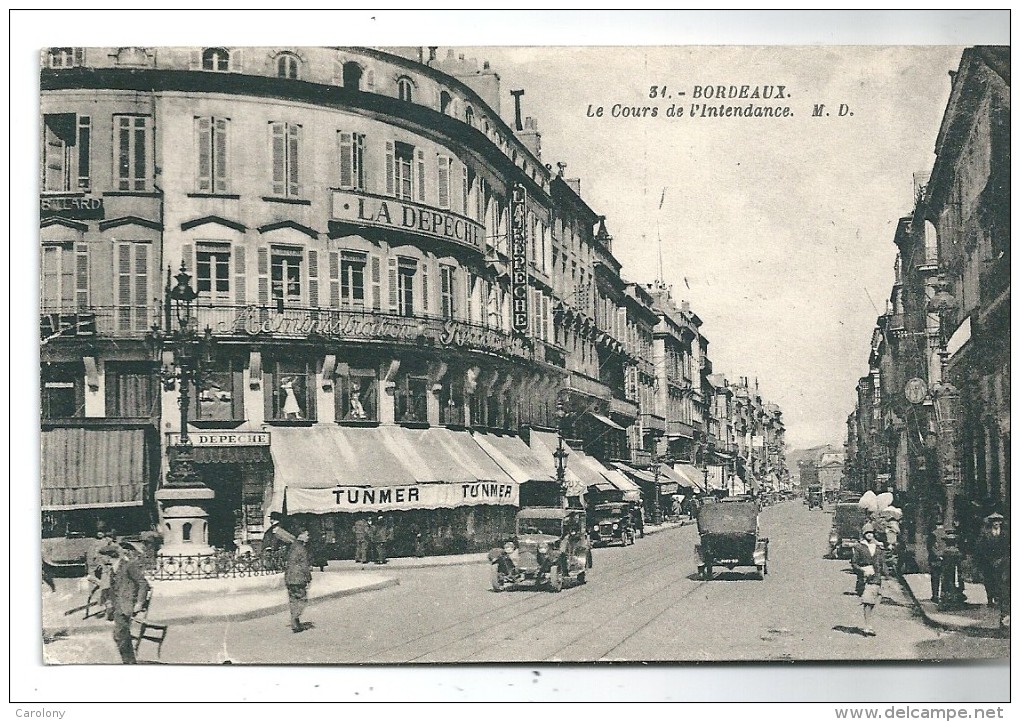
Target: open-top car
{"x": 847, "y": 520}
{"x": 549, "y": 548}
{"x": 730, "y": 538}
{"x": 610, "y": 523}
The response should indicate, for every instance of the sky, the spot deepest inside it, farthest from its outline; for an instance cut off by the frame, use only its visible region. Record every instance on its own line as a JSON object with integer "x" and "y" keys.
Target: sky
{"x": 779, "y": 231}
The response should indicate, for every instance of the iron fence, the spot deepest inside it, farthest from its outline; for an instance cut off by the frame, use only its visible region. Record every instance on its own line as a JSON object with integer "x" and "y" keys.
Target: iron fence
{"x": 219, "y": 565}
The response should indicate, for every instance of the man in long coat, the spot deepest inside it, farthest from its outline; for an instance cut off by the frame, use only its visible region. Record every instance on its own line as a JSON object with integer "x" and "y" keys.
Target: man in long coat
{"x": 297, "y": 577}
{"x": 128, "y": 592}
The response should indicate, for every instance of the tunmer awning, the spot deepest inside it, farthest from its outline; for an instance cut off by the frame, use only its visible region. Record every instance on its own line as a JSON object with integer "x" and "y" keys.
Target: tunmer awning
{"x": 94, "y": 468}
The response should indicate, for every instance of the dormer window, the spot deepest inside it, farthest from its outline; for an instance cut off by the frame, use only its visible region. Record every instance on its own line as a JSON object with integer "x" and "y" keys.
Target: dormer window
{"x": 65, "y": 57}
{"x": 352, "y": 76}
{"x": 469, "y": 116}
{"x": 216, "y": 59}
{"x": 287, "y": 66}
{"x": 444, "y": 102}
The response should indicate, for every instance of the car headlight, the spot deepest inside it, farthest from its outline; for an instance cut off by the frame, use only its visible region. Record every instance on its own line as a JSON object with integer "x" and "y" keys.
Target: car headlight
{"x": 833, "y": 539}
{"x": 616, "y": 526}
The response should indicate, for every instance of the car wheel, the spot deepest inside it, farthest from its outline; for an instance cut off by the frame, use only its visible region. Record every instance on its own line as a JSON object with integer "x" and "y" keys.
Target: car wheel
{"x": 555, "y": 579}
{"x": 496, "y": 580}
{"x": 588, "y": 562}
{"x": 708, "y": 571}
{"x": 581, "y": 579}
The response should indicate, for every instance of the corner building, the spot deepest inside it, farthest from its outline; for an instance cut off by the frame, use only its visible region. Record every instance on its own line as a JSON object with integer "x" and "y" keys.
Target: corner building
{"x": 345, "y": 217}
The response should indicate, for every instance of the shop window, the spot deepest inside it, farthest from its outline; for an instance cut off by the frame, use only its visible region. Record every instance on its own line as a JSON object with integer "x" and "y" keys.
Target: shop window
{"x": 219, "y": 393}
{"x": 352, "y": 75}
{"x": 63, "y": 391}
{"x": 290, "y": 391}
{"x": 410, "y": 399}
{"x": 212, "y": 134}
{"x": 286, "y": 159}
{"x": 65, "y": 57}
{"x": 451, "y": 403}
{"x": 285, "y": 278}
{"x": 352, "y": 160}
{"x": 357, "y": 395}
{"x": 479, "y": 409}
{"x": 216, "y": 59}
{"x": 67, "y": 147}
{"x": 352, "y": 278}
{"x": 130, "y": 389}
{"x": 212, "y": 266}
{"x": 131, "y": 134}
{"x": 405, "y": 89}
{"x": 287, "y": 66}
{"x": 446, "y": 291}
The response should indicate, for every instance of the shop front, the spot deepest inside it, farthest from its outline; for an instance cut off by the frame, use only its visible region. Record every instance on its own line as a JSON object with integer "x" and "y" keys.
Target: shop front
{"x": 97, "y": 477}
{"x": 657, "y": 493}
{"x": 434, "y": 485}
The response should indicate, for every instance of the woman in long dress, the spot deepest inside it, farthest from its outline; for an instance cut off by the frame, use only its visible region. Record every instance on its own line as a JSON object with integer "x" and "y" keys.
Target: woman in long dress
{"x": 291, "y": 410}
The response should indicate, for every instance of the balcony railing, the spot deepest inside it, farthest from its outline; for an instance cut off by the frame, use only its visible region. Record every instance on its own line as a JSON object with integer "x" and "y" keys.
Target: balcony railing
{"x": 679, "y": 428}
{"x": 653, "y": 422}
{"x": 588, "y": 386}
{"x": 92, "y": 321}
{"x": 623, "y": 407}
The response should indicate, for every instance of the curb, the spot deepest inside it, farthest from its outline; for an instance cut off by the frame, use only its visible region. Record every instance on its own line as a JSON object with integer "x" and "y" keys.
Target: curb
{"x": 971, "y": 629}
{"x": 238, "y": 617}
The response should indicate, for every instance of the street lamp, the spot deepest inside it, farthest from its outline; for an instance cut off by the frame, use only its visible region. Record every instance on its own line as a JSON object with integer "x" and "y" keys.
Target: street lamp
{"x": 560, "y": 454}
{"x": 946, "y": 398}
{"x": 183, "y": 495}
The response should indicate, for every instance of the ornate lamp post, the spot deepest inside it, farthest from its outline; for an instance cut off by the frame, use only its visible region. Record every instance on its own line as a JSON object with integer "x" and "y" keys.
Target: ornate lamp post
{"x": 560, "y": 454}
{"x": 946, "y": 398}
{"x": 183, "y": 497}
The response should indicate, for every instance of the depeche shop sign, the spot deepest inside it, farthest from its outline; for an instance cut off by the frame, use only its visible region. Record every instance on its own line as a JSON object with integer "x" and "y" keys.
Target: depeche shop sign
{"x": 519, "y": 258}
{"x": 397, "y": 498}
{"x": 393, "y": 214}
{"x": 223, "y": 438}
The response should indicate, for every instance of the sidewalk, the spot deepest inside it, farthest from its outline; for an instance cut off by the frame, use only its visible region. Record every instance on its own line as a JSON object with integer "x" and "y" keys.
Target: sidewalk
{"x": 245, "y": 598}
{"x": 974, "y": 618}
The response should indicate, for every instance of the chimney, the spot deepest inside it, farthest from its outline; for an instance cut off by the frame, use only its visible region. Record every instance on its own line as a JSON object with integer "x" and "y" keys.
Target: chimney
{"x": 530, "y": 136}
{"x": 562, "y": 168}
{"x": 574, "y": 183}
{"x": 432, "y": 54}
{"x": 517, "y": 108}
{"x": 685, "y": 306}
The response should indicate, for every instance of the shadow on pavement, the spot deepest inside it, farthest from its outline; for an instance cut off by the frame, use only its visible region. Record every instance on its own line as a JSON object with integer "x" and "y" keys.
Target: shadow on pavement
{"x": 850, "y": 630}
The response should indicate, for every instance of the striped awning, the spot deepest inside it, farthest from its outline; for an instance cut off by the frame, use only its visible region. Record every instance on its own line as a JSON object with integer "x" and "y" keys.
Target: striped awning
{"x": 94, "y": 468}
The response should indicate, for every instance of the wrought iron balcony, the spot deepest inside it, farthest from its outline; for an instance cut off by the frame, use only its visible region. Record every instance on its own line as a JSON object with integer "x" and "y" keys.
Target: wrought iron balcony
{"x": 588, "y": 386}
{"x": 623, "y": 407}
{"x": 653, "y": 422}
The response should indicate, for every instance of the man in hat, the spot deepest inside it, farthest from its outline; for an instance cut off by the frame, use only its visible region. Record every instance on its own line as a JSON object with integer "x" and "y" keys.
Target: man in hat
{"x": 297, "y": 577}
{"x": 128, "y": 592}
{"x": 991, "y": 548}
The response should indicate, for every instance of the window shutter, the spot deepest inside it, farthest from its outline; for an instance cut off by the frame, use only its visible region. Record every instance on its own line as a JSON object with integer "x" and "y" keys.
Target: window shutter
{"x": 545, "y": 318}
{"x": 240, "y": 276}
{"x": 313, "y": 279}
{"x": 279, "y": 158}
{"x": 187, "y": 251}
{"x": 376, "y": 283}
{"x": 464, "y": 205}
{"x": 294, "y": 144}
{"x": 263, "y": 273}
{"x": 467, "y": 281}
{"x": 334, "y": 279}
{"x": 124, "y": 286}
{"x": 141, "y": 300}
{"x": 444, "y": 181}
{"x": 389, "y": 168}
{"x": 393, "y": 284}
{"x": 204, "y": 134}
{"x": 425, "y": 287}
{"x": 220, "y": 155}
{"x": 421, "y": 174}
{"x": 81, "y": 275}
{"x": 346, "y": 160}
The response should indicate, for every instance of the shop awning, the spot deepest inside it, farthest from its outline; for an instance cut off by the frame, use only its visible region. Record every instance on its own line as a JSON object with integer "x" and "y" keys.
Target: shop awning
{"x": 690, "y": 476}
{"x": 606, "y": 420}
{"x": 664, "y": 485}
{"x": 325, "y": 469}
{"x": 516, "y": 458}
{"x": 668, "y": 479}
{"x": 94, "y": 468}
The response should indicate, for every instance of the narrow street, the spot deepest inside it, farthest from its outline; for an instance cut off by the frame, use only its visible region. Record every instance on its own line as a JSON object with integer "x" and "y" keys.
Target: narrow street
{"x": 641, "y": 603}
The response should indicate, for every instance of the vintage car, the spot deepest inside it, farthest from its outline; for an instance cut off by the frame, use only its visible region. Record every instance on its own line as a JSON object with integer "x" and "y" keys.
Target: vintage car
{"x": 549, "y": 548}
{"x": 611, "y": 522}
{"x": 730, "y": 538}
{"x": 847, "y": 520}
{"x": 66, "y": 554}
{"x": 815, "y": 498}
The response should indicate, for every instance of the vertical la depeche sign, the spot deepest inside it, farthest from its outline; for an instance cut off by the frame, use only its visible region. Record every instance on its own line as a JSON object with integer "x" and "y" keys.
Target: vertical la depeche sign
{"x": 519, "y": 258}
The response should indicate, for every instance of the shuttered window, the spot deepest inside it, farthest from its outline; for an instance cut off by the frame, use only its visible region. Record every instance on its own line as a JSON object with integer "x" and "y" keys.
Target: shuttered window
{"x": 64, "y": 277}
{"x": 212, "y": 154}
{"x": 313, "y": 278}
{"x": 407, "y": 268}
{"x": 212, "y": 271}
{"x": 352, "y": 278}
{"x": 286, "y": 159}
{"x": 403, "y": 162}
{"x": 130, "y": 389}
{"x": 376, "y": 283}
{"x": 446, "y": 290}
{"x": 132, "y": 285}
{"x": 352, "y": 160}
{"x": 130, "y": 140}
{"x": 285, "y": 275}
{"x": 444, "y": 166}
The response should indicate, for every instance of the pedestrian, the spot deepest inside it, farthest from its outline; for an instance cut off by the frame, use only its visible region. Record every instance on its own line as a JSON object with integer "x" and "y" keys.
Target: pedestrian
{"x": 317, "y": 550}
{"x": 991, "y": 548}
{"x": 869, "y": 562}
{"x": 361, "y": 540}
{"x": 275, "y": 541}
{"x": 128, "y": 592}
{"x": 297, "y": 578}
{"x": 382, "y": 532}
{"x": 419, "y": 540}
